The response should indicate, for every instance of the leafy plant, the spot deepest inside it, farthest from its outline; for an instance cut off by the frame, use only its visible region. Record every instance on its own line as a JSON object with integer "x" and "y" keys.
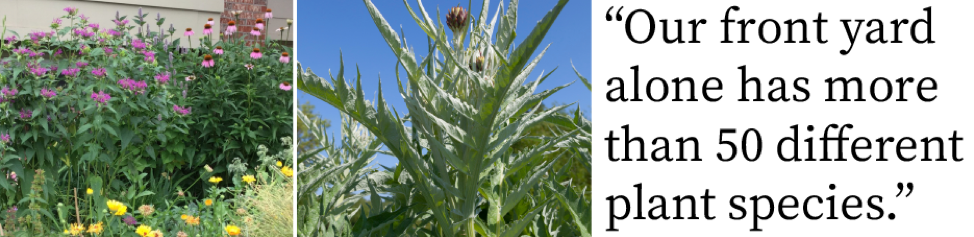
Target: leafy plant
{"x": 469, "y": 101}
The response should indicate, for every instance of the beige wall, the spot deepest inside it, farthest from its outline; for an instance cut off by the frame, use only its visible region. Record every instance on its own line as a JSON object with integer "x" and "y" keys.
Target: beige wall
{"x": 24, "y": 16}
{"x": 283, "y": 10}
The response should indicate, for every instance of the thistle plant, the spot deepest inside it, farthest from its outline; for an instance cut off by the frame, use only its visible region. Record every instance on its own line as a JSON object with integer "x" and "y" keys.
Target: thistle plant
{"x": 467, "y": 102}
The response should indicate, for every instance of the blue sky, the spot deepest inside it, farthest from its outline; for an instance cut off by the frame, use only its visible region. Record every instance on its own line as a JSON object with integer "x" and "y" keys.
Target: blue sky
{"x": 327, "y": 28}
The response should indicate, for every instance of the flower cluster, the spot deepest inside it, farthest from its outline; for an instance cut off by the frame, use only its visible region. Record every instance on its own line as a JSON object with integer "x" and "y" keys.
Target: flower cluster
{"x": 101, "y": 97}
{"x": 182, "y": 110}
{"x": 134, "y": 86}
{"x": 71, "y": 72}
{"x": 48, "y": 93}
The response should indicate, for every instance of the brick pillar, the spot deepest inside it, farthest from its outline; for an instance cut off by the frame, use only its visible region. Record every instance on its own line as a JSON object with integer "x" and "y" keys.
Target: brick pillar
{"x": 252, "y": 10}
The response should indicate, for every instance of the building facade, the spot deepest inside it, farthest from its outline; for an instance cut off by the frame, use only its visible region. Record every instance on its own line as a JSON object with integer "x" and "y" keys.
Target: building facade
{"x": 25, "y": 16}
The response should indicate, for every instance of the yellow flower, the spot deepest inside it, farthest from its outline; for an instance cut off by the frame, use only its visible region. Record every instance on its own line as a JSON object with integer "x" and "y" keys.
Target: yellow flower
{"x": 208, "y": 202}
{"x": 279, "y": 164}
{"x": 249, "y": 179}
{"x": 184, "y": 216}
{"x": 89, "y": 192}
{"x": 77, "y": 229}
{"x": 233, "y": 230}
{"x": 121, "y": 211}
{"x": 216, "y": 179}
{"x": 287, "y": 171}
{"x": 192, "y": 220}
{"x": 114, "y": 205}
{"x": 143, "y": 230}
{"x": 96, "y": 228}
{"x": 67, "y": 232}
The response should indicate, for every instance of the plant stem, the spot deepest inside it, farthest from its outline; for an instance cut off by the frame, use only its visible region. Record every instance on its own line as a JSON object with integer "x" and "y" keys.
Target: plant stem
{"x": 471, "y": 228}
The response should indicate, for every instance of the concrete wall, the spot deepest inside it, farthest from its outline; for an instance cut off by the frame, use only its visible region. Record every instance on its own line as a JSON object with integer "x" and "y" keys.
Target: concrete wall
{"x": 24, "y": 16}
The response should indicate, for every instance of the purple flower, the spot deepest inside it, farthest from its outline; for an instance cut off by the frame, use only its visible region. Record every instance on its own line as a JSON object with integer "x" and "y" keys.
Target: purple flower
{"x": 83, "y": 17}
{"x": 7, "y": 92}
{"x": 113, "y": 32}
{"x": 129, "y": 220}
{"x": 149, "y": 56}
{"x": 26, "y": 113}
{"x": 56, "y": 23}
{"x": 5, "y": 138}
{"x": 99, "y": 72}
{"x": 138, "y": 44}
{"x": 182, "y": 110}
{"x": 162, "y": 78}
{"x": 22, "y": 51}
{"x": 137, "y": 87}
{"x": 71, "y": 10}
{"x": 121, "y": 23}
{"x": 81, "y": 64}
{"x": 53, "y": 68}
{"x": 48, "y": 93}
{"x": 11, "y": 39}
{"x": 71, "y": 72}
{"x": 59, "y": 52}
{"x": 36, "y": 54}
{"x": 108, "y": 50}
{"x": 94, "y": 26}
{"x": 38, "y": 71}
{"x": 101, "y": 97}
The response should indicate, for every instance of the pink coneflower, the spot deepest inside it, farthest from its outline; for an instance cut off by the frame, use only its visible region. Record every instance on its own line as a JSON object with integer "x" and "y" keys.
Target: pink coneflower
{"x": 149, "y": 56}
{"x": 98, "y": 72}
{"x": 208, "y": 61}
{"x": 254, "y": 32}
{"x": 209, "y": 21}
{"x": 101, "y": 97}
{"x": 286, "y": 86}
{"x": 268, "y": 14}
{"x": 218, "y": 50}
{"x": 71, "y": 72}
{"x": 162, "y": 78}
{"x": 48, "y": 93}
{"x": 260, "y": 24}
{"x": 190, "y": 78}
{"x": 138, "y": 44}
{"x": 189, "y": 32}
{"x": 81, "y": 64}
{"x": 231, "y": 27}
{"x": 249, "y": 66}
{"x": 256, "y": 54}
{"x": 285, "y": 58}
{"x": 207, "y": 29}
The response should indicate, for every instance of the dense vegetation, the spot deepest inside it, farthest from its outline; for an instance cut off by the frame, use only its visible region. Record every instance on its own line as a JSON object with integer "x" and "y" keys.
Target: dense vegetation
{"x": 105, "y": 120}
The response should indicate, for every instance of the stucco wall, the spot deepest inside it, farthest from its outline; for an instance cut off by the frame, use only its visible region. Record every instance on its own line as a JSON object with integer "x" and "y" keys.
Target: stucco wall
{"x": 24, "y": 16}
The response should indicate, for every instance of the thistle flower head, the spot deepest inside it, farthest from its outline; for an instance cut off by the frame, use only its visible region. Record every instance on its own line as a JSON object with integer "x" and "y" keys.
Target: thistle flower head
{"x": 477, "y": 64}
{"x": 456, "y": 18}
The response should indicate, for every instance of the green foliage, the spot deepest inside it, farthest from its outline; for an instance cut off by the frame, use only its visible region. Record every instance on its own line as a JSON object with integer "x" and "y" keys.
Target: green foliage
{"x": 134, "y": 116}
{"x": 459, "y": 173}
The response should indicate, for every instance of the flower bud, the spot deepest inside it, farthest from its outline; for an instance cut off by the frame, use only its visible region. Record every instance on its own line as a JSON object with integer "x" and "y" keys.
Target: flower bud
{"x": 457, "y": 18}
{"x": 477, "y": 64}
